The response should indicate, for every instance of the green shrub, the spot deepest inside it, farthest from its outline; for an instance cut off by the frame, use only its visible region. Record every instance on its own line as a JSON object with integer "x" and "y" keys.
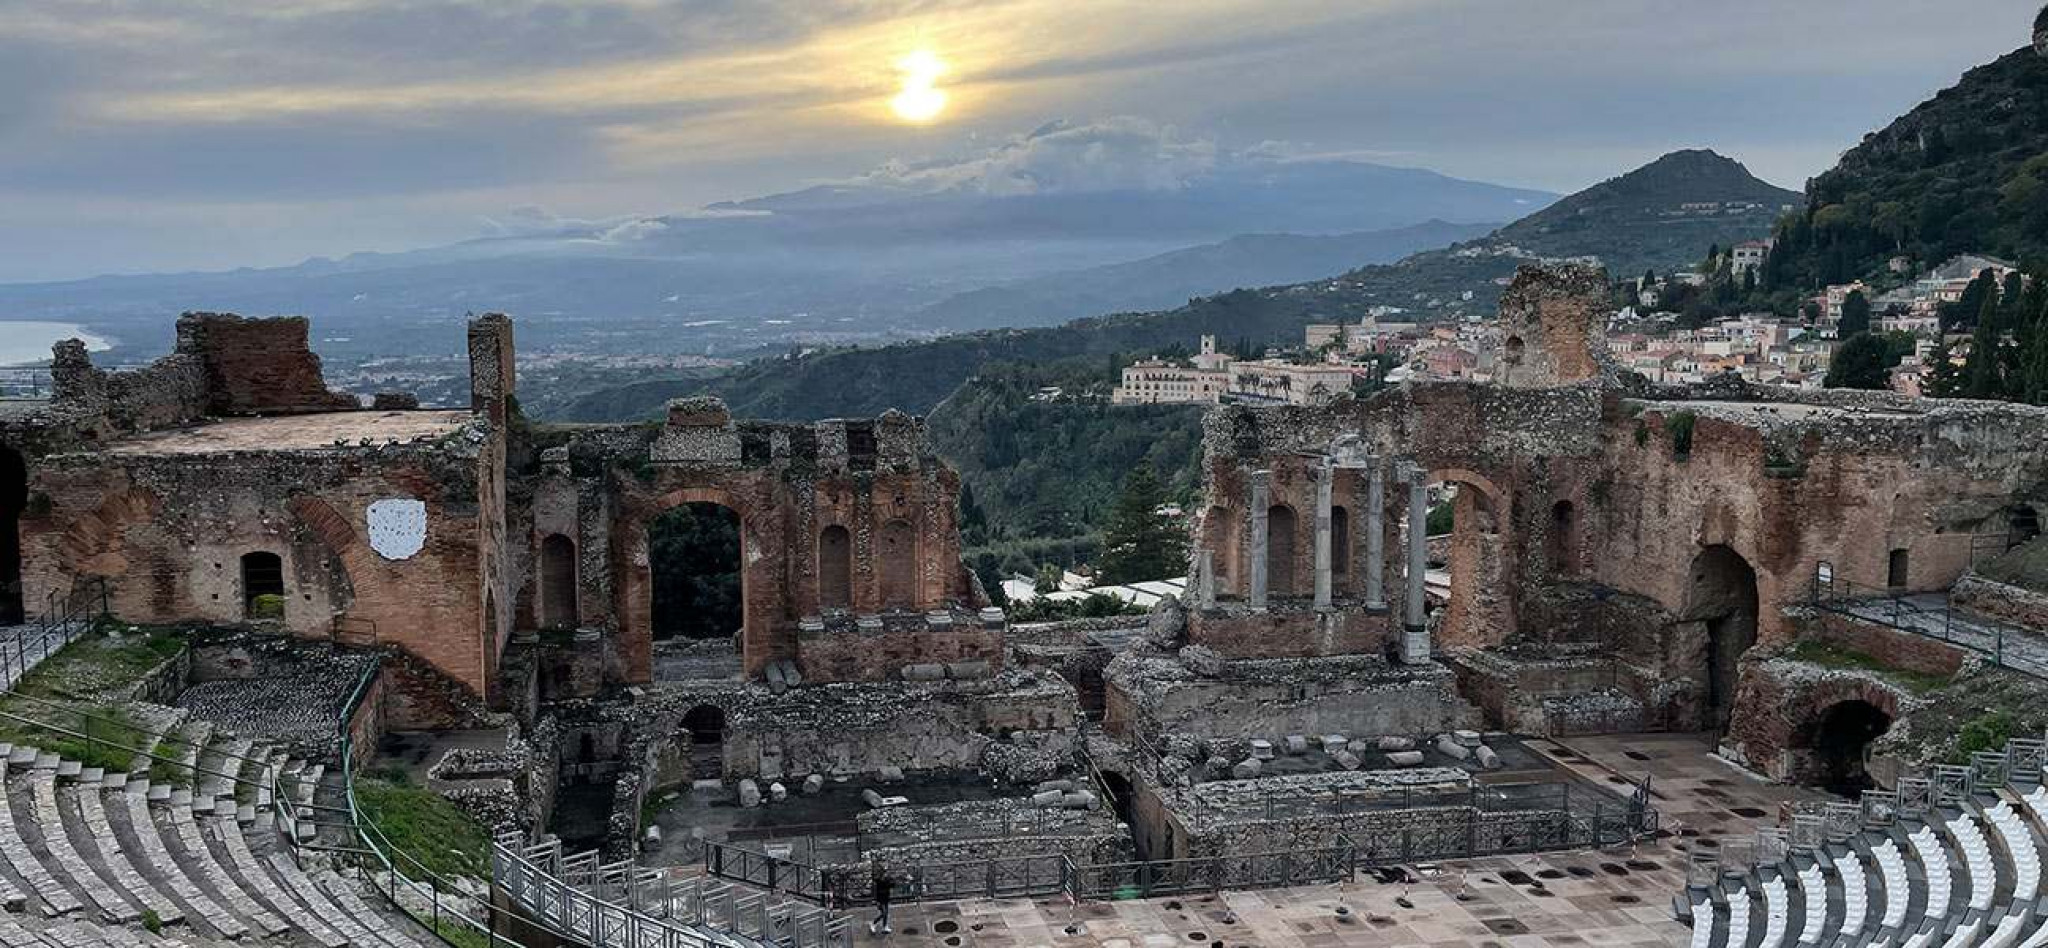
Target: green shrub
{"x": 267, "y": 606}
{"x": 1679, "y": 426}
{"x": 1985, "y": 732}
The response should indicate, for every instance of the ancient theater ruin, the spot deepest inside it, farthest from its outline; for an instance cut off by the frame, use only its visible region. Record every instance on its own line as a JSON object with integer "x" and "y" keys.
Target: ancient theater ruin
{"x": 1768, "y": 663}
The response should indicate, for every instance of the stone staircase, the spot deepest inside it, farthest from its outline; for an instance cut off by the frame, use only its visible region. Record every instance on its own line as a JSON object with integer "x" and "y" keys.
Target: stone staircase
{"x": 1961, "y": 876}
{"x": 191, "y": 857}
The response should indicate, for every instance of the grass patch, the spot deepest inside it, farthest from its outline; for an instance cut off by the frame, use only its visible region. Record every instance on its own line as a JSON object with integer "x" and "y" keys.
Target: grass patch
{"x": 1829, "y": 655}
{"x": 425, "y": 826}
{"x": 92, "y": 665}
{"x": 101, "y": 736}
{"x": 70, "y": 687}
{"x": 458, "y": 934}
{"x": 172, "y": 748}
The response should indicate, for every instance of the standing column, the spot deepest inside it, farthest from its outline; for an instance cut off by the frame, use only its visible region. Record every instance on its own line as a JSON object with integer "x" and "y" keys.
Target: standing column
{"x": 1205, "y": 579}
{"x": 1255, "y": 571}
{"x": 1324, "y": 487}
{"x": 1415, "y": 640}
{"x": 1375, "y": 537}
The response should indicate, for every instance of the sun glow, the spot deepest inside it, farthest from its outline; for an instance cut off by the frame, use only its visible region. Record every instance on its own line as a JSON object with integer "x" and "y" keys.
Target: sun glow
{"x": 920, "y": 99}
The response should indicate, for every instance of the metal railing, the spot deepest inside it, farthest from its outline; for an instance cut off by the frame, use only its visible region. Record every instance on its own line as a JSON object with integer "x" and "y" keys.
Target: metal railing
{"x": 1930, "y": 615}
{"x": 629, "y": 906}
{"x": 791, "y": 877}
{"x": 64, "y": 617}
{"x": 1157, "y": 877}
{"x": 27, "y": 382}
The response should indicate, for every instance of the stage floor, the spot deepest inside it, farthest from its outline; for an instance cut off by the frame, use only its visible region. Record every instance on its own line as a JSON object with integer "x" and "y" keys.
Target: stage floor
{"x": 1616, "y": 898}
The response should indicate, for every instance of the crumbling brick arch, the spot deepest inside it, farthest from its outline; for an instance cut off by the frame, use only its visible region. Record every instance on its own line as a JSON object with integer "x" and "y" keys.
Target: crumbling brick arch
{"x": 91, "y": 542}
{"x": 1480, "y": 611}
{"x": 1492, "y": 502}
{"x": 762, "y": 638}
{"x": 1821, "y": 733}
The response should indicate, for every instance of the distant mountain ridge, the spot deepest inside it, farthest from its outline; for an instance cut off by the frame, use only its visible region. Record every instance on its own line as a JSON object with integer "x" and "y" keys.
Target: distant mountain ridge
{"x": 1432, "y": 284}
{"x": 1176, "y": 276}
{"x": 823, "y": 266}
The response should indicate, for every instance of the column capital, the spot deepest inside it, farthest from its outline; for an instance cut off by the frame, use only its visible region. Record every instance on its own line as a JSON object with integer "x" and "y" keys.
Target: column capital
{"x": 1262, "y": 477}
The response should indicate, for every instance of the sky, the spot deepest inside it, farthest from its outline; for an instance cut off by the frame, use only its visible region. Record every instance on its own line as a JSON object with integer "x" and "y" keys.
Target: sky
{"x": 209, "y": 134}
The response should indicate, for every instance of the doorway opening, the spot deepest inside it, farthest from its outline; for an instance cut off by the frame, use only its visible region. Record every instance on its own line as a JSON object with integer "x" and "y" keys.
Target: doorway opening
{"x": 706, "y": 726}
{"x": 1723, "y": 597}
{"x": 1841, "y": 746}
{"x": 693, "y": 556}
{"x": 262, "y": 585}
{"x": 557, "y": 583}
{"x": 1280, "y": 534}
{"x": 835, "y": 568}
{"x": 13, "y": 499}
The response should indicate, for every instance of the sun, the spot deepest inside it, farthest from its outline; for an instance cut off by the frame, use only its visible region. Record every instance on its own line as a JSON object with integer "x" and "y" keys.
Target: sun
{"x": 920, "y": 99}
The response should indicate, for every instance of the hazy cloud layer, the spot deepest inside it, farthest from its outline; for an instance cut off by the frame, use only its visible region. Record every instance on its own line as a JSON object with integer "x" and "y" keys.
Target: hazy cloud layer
{"x": 159, "y": 134}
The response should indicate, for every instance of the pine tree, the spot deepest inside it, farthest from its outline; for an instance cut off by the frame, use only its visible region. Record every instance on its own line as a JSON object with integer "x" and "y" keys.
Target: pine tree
{"x": 1982, "y": 376}
{"x": 1861, "y": 362}
{"x": 1855, "y": 315}
{"x": 1943, "y": 379}
{"x": 1141, "y": 544}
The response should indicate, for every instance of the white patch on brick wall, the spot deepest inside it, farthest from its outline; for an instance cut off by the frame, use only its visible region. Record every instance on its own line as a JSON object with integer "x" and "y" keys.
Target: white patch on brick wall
{"x": 398, "y": 527}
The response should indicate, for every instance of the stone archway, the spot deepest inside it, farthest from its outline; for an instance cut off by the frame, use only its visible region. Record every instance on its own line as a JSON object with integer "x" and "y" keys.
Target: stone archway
{"x": 1840, "y": 742}
{"x": 695, "y": 565}
{"x": 1475, "y": 612}
{"x": 1722, "y": 598}
{"x": 706, "y": 726}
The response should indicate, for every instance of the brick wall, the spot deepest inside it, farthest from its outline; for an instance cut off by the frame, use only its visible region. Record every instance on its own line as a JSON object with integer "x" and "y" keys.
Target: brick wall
{"x": 257, "y": 366}
{"x": 169, "y": 532}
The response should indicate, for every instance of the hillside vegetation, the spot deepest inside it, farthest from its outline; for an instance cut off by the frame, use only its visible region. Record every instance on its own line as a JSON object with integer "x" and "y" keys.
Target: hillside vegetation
{"x": 1655, "y": 216}
{"x": 914, "y": 377}
{"x": 1041, "y": 476}
{"x": 1965, "y": 171}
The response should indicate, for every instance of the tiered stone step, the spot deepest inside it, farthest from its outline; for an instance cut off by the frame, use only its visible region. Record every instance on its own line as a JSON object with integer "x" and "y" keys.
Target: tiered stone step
{"x": 89, "y": 856}
{"x": 41, "y": 790}
{"x": 137, "y": 833}
{"x": 113, "y": 861}
{"x": 193, "y": 852}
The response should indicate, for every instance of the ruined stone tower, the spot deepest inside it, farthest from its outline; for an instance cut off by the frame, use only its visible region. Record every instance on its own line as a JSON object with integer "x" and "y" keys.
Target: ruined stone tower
{"x": 1553, "y": 327}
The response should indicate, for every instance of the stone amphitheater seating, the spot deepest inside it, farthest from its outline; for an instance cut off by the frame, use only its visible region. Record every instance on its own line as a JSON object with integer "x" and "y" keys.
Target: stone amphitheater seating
{"x": 1960, "y": 878}
{"x": 90, "y": 859}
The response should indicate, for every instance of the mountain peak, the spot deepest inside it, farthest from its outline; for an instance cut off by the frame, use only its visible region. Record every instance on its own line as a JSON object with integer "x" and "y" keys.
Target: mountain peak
{"x": 1664, "y": 212}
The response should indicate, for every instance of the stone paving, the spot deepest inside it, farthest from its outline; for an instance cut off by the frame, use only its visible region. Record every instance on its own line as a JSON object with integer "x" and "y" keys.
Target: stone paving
{"x": 1617, "y": 898}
